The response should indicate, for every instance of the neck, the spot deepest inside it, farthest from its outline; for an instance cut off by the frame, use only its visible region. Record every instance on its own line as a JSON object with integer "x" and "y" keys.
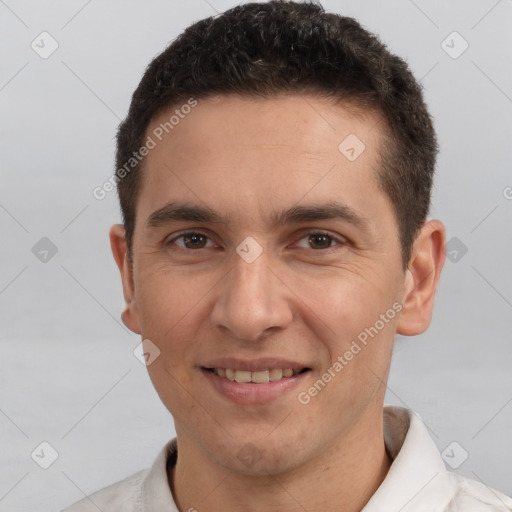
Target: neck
{"x": 343, "y": 477}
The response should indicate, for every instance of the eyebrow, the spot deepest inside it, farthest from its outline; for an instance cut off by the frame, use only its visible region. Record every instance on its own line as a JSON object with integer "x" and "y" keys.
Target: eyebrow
{"x": 298, "y": 214}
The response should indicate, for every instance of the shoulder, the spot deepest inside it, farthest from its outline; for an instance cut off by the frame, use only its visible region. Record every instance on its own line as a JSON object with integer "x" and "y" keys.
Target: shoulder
{"x": 473, "y": 496}
{"x": 122, "y": 496}
{"x": 147, "y": 489}
{"x": 418, "y": 480}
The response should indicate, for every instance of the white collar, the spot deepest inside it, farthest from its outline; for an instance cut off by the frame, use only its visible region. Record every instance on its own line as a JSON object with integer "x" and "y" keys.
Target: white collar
{"x": 416, "y": 481}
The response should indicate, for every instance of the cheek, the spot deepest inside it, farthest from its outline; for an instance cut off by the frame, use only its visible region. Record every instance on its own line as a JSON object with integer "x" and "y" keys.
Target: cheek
{"x": 171, "y": 310}
{"x": 169, "y": 299}
{"x": 355, "y": 321}
{"x": 174, "y": 305}
{"x": 354, "y": 318}
{"x": 345, "y": 303}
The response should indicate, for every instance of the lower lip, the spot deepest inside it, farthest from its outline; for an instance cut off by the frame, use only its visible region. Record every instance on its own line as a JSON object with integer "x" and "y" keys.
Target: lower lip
{"x": 249, "y": 393}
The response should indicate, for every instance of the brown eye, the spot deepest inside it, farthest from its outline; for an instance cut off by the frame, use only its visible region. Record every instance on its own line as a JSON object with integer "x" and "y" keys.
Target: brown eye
{"x": 319, "y": 241}
{"x": 192, "y": 241}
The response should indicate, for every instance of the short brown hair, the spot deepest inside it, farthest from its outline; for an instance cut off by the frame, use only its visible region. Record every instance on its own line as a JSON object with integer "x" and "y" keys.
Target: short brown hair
{"x": 262, "y": 49}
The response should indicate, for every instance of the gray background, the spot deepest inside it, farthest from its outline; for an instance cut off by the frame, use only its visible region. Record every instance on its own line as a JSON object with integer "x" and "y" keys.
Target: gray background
{"x": 68, "y": 375}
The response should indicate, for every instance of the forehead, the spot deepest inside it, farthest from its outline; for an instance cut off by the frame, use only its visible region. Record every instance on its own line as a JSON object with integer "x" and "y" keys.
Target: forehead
{"x": 239, "y": 152}
{"x": 316, "y": 122}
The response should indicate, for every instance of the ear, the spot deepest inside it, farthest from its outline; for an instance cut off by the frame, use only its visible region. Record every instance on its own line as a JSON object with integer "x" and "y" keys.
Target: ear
{"x": 422, "y": 276}
{"x": 130, "y": 315}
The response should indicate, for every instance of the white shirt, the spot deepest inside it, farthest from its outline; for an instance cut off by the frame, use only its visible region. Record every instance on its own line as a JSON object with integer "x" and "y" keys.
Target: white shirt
{"x": 417, "y": 480}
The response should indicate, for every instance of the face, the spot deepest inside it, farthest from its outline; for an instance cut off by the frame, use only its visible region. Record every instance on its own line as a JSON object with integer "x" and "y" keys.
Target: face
{"x": 263, "y": 252}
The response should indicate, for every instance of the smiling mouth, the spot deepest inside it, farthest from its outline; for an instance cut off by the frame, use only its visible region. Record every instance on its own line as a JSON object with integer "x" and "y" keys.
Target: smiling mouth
{"x": 259, "y": 377}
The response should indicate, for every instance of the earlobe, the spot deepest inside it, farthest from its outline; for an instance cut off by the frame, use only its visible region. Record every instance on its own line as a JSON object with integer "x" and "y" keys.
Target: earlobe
{"x": 130, "y": 315}
{"x": 421, "y": 279}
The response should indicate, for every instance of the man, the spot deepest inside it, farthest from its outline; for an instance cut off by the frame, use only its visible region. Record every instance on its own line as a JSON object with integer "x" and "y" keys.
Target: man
{"x": 274, "y": 174}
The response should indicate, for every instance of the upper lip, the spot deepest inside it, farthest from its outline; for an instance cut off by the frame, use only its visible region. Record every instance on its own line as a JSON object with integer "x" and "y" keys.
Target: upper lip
{"x": 254, "y": 365}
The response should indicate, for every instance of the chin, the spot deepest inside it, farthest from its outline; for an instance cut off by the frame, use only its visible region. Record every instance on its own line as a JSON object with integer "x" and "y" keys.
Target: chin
{"x": 259, "y": 455}
{"x": 255, "y": 462}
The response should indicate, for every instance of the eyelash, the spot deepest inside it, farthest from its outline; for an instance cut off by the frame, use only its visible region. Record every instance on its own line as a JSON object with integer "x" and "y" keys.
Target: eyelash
{"x": 338, "y": 240}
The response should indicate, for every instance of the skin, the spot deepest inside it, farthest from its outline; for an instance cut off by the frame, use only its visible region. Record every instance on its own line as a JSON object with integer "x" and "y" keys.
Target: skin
{"x": 304, "y": 298}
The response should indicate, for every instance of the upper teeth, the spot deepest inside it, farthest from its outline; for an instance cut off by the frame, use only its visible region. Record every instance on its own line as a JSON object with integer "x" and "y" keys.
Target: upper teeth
{"x": 259, "y": 377}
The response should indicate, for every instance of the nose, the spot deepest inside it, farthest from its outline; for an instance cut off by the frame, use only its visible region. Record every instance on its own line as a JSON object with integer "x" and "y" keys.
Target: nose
{"x": 252, "y": 300}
